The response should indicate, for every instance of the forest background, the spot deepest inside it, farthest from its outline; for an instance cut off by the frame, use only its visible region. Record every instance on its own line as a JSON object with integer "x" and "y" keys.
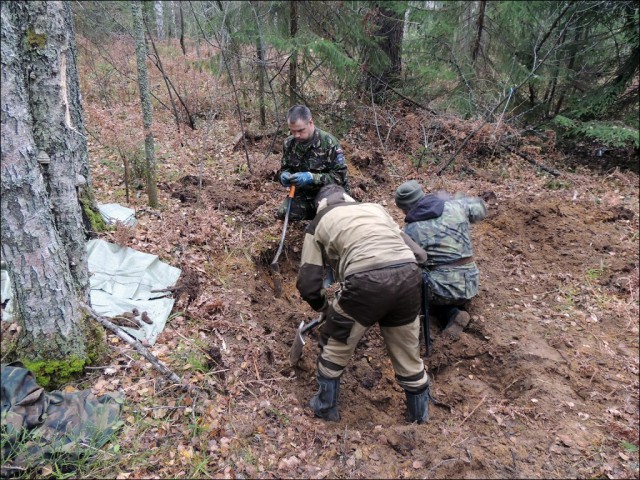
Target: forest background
{"x": 532, "y": 105}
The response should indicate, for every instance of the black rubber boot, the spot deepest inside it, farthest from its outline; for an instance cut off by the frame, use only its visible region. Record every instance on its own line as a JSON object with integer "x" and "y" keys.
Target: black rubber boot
{"x": 325, "y": 402}
{"x": 458, "y": 320}
{"x": 418, "y": 405}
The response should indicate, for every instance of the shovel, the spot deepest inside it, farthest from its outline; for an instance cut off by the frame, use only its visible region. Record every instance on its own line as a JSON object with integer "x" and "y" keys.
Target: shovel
{"x": 277, "y": 282}
{"x": 298, "y": 342}
{"x": 425, "y": 313}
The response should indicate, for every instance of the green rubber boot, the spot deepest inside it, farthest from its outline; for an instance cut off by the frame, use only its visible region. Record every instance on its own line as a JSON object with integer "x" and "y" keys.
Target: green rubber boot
{"x": 418, "y": 405}
{"x": 325, "y": 402}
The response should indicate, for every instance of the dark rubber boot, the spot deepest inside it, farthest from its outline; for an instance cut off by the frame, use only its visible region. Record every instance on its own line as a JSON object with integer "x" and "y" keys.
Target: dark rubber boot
{"x": 418, "y": 405}
{"x": 458, "y": 320}
{"x": 325, "y": 402}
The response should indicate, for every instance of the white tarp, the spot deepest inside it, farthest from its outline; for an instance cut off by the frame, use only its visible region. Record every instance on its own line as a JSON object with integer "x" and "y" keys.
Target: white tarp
{"x": 122, "y": 279}
{"x": 114, "y": 212}
{"x": 6, "y": 294}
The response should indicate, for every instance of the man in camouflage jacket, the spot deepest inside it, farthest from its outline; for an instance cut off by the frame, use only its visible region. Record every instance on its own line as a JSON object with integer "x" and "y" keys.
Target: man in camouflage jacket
{"x": 311, "y": 158}
{"x": 439, "y": 223}
{"x": 378, "y": 268}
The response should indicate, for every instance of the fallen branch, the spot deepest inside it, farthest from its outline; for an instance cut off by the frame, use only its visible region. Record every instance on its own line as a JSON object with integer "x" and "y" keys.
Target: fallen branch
{"x": 122, "y": 334}
{"x": 553, "y": 172}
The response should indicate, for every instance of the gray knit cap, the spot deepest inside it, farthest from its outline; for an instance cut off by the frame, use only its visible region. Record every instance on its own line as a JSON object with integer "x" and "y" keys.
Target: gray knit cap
{"x": 408, "y": 194}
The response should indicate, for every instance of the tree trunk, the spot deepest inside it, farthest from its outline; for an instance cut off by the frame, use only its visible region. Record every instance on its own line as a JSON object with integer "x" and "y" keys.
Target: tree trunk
{"x": 172, "y": 25}
{"x": 480, "y": 27}
{"x": 145, "y": 102}
{"x": 391, "y": 41}
{"x": 293, "y": 61}
{"x": 184, "y": 50}
{"x": 261, "y": 76}
{"x": 44, "y": 165}
{"x": 388, "y": 31}
{"x": 158, "y": 7}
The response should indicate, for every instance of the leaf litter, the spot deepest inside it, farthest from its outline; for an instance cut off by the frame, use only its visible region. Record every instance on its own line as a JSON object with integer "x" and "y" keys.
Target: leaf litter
{"x": 543, "y": 383}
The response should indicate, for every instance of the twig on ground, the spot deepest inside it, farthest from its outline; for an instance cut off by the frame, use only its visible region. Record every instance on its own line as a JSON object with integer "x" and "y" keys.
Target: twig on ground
{"x": 435, "y": 467}
{"x": 122, "y": 334}
{"x": 248, "y": 390}
{"x": 473, "y": 411}
{"x": 255, "y": 366}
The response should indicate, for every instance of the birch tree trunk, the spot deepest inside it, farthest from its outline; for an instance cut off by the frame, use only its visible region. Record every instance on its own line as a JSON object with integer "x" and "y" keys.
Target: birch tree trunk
{"x": 159, "y": 19}
{"x": 293, "y": 61}
{"x": 145, "y": 102}
{"x": 174, "y": 30}
{"x": 44, "y": 164}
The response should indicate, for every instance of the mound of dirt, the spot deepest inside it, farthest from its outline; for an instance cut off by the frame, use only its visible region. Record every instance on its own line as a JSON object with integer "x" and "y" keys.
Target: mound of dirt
{"x": 529, "y": 387}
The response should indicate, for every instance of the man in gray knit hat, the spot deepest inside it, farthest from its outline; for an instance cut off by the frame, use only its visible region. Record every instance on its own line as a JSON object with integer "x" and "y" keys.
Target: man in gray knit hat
{"x": 439, "y": 223}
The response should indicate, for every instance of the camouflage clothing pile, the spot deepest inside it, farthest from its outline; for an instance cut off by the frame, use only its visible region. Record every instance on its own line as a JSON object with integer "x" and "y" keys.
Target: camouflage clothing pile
{"x": 322, "y": 156}
{"x": 40, "y": 427}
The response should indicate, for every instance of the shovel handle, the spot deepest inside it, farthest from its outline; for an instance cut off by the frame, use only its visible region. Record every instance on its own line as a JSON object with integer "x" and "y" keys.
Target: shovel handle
{"x": 292, "y": 191}
{"x": 312, "y": 324}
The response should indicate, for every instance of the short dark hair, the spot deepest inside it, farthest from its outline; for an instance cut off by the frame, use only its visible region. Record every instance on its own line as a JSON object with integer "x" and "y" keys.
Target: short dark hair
{"x": 327, "y": 191}
{"x": 298, "y": 112}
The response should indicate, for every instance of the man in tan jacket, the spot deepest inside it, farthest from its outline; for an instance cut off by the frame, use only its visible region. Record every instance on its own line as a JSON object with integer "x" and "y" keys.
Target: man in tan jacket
{"x": 378, "y": 268}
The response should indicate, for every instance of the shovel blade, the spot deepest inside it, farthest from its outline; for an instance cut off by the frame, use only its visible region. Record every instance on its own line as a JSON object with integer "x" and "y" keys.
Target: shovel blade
{"x": 296, "y": 348}
{"x": 298, "y": 341}
{"x": 277, "y": 280}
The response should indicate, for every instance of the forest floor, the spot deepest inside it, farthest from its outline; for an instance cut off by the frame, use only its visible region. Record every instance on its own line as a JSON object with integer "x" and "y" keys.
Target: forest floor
{"x": 542, "y": 384}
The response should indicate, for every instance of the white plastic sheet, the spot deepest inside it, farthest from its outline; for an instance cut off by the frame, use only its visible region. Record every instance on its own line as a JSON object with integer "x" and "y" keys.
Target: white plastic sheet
{"x": 122, "y": 279}
{"x": 114, "y": 212}
{"x": 5, "y": 295}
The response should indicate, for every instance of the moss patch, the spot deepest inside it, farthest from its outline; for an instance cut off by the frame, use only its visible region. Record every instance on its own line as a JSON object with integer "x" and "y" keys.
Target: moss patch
{"x": 54, "y": 373}
{"x": 96, "y": 345}
{"x": 35, "y": 40}
{"x": 92, "y": 214}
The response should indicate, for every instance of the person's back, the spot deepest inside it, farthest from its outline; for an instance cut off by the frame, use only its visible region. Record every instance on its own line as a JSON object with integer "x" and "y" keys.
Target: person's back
{"x": 377, "y": 266}
{"x": 360, "y": 236}
{"x": 440, "y": 224}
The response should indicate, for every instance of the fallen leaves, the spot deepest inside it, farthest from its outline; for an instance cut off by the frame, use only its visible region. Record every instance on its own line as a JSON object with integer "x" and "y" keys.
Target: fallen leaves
{"x": 260, "y": 428}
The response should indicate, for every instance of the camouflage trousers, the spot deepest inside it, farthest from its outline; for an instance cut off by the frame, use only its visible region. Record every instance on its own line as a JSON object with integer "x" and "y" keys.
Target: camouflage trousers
{"x": 453, "y": 286}
{"x": 301, "y": 209}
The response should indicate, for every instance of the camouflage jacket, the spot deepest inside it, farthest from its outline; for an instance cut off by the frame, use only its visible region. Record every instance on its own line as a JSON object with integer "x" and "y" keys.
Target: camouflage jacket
{"x": 440, "y": 225}
{"x": 38, "y": 425}
{"x": 322, "y": 156}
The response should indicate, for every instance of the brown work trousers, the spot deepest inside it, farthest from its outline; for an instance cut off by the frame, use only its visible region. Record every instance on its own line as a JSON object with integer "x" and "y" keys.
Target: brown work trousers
{"x": 388, "y": 296}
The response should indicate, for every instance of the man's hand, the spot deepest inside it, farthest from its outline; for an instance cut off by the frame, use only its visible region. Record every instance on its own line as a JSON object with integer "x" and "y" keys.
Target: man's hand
{"x": 301, "y": 179}
{"x": 285, "y": 179}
